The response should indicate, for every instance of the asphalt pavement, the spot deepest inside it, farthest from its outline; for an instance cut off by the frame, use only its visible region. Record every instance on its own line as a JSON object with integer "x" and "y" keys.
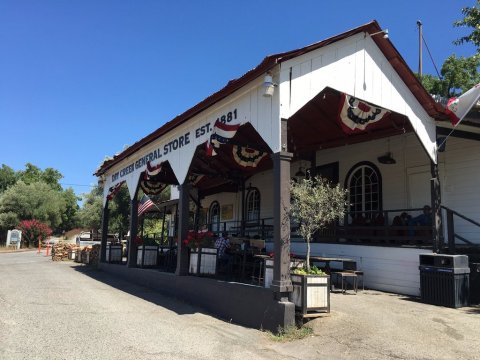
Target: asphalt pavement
{"x": 64, "y": 310}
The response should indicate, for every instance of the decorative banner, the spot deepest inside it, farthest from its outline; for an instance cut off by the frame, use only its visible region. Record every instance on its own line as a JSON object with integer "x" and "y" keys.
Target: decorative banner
{"x": 113, "y": 190}
{"x": 247, "y": 157}
{"x": 151, "y": 183}
{"x": 152, "y": 187}
{"x": 153, "y": 170}
{"x": 355, "y": 115}
{"x": 222, "y": 133}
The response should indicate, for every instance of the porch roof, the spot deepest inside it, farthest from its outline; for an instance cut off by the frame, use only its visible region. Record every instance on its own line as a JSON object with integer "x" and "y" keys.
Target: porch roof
{"x": 433, "y": 109}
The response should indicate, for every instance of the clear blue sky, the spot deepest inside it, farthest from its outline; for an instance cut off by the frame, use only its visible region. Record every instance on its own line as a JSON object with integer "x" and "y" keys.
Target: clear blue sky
{"x": 80, "y": 79}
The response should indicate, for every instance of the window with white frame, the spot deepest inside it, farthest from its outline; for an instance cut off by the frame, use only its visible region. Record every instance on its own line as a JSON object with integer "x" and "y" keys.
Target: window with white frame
{"x": 214, "y": 216}
{"x": 364, "y": 184}
{"x": 253, "y": 205}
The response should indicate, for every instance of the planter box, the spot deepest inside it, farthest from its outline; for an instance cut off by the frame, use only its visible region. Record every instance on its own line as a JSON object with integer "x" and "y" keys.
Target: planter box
{"x": 203, "y": 261}
{"x": 86, "y": 257}
{"x": 147, "y": 255}
{"x": 311, "y": 293}
{"x": 114, "y": 253}
{"x": 294, "y": 263}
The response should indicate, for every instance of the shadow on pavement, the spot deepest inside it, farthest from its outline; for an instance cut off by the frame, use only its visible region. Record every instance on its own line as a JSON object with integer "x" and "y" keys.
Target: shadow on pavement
{"x": 154, "y": 296}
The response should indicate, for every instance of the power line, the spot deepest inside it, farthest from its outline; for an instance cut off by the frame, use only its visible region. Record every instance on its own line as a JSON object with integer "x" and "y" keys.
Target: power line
{"x": 77, "y": 185}
{"x": 431, "y": 58}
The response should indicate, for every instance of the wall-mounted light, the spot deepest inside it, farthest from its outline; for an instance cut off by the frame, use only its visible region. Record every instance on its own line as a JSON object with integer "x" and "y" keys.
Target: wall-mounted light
{"x": 387, "y": 158}
{"x": 384, "y": 32}
{"x": 268, "y": 86}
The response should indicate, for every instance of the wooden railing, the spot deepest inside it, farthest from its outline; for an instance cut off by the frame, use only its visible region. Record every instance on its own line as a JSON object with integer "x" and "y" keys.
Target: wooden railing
{"x": 452, "y": 236}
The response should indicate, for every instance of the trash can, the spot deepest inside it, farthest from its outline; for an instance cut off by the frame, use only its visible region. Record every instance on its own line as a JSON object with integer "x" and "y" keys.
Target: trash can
{"x": 474, "y": 283}
{"x": 444, "y": 280}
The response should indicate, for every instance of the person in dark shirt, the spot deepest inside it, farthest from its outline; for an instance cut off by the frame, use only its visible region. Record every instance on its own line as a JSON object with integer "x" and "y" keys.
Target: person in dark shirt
{"x": 424, "y": 219}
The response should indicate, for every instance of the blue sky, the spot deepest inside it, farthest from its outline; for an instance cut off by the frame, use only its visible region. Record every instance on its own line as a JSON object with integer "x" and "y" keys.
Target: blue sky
{"x": 80, "y": 79}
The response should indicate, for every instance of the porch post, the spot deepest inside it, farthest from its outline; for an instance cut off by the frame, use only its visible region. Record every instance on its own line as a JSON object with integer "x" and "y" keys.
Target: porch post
{"x": 281, "y": 283}
{"x": 183, "y": 210}
{"x": 103, "y": 246}
{"x": 132, "y": 247}
{"x": 438, "y": 238}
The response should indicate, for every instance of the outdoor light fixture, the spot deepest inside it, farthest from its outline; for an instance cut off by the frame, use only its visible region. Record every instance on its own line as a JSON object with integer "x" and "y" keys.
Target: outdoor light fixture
{"x": 268, "y": 86}
{"x": 384, "y": 32}
{"x": 386, "y": 159}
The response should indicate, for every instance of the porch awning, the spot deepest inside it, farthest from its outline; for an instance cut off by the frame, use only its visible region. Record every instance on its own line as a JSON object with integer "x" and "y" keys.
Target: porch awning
{"x": 333, "y": 119}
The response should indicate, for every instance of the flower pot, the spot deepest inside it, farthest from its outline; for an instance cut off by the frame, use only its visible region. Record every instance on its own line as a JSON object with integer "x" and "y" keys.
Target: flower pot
{"x": 203, "y": 261}
{"x": 147, "y": 255}
{"x": 311, "y": 293}
{"x": 114, "y": 253}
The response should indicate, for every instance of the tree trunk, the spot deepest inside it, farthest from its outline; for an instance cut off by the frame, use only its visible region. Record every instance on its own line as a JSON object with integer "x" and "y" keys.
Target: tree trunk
{"x": 308, "y": 253}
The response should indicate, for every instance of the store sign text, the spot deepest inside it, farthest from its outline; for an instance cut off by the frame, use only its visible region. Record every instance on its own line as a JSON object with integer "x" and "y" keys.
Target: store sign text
{"x": 172, "y": 146}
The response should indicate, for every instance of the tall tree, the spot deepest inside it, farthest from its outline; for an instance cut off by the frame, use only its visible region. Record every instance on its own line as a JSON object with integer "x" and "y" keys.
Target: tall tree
{"x": 90, "y": 215}
{"x": 31, "y": 201}
{"x": 471, "y": 20}
{"x": 8, "y": 177}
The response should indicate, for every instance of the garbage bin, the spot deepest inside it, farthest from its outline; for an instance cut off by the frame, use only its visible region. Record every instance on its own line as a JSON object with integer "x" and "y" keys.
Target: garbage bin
{"x": 474, "y": 283}
{"x": 444, "y": 280}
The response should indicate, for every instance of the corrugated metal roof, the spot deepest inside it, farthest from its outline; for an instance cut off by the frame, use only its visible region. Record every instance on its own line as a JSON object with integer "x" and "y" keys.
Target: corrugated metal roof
{"x": 433, "y": 109}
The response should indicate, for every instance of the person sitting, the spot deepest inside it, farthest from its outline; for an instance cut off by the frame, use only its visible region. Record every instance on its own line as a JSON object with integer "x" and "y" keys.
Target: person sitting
{"x": 424, "y": 219}
{"x": 401, "y": 221}
{"x": 222, "y": 244}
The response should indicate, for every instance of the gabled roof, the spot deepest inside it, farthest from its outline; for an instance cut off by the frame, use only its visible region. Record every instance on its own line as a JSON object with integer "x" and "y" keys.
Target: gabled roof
{"x": 433, "y": 109}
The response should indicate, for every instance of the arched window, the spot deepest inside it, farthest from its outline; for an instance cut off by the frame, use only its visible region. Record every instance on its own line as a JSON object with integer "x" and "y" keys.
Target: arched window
{"x": 253, "y": 205}
{"x": 214, "y": 216}
{"x": 364, "y": 184}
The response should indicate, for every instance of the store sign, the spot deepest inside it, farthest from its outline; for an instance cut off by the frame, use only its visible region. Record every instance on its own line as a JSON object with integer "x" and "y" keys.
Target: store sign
{"x": 175, "y": 144}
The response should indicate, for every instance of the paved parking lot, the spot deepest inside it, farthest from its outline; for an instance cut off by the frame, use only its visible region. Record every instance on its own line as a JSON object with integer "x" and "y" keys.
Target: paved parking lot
{"x": 62, "y": 310}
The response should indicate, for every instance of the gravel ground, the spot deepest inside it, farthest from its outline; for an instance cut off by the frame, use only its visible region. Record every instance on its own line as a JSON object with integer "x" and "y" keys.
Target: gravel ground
{"x": 63, "y": 310}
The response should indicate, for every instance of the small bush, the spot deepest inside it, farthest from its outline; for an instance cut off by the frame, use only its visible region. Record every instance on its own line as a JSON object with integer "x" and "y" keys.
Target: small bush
{"x": 291, "y": 333}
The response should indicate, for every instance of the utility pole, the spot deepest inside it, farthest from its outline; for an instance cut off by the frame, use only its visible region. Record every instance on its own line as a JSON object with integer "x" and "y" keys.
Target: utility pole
{"x": 420, "y": 37}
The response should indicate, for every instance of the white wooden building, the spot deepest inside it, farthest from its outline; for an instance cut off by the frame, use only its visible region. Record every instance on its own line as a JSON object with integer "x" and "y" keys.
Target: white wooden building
{"x": 284, "y": 117}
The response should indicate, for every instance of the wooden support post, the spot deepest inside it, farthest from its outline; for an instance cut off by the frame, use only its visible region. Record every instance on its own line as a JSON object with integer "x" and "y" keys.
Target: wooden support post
{"x": 437, "y": 233}
{"x": 132, "y": 247}
{"x": 103, "y": 246}
{"x": 183, "y": 213}
{"x": 450, "y": 232}
{"x": 281, "y": 283}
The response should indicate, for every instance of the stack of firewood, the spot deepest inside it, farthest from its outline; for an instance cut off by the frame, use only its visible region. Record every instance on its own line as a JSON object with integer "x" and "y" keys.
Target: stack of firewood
{"x": 62, "y": 251}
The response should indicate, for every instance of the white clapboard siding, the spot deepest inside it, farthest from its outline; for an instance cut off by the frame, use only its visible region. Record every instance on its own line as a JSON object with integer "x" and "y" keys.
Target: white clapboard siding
{"x": 461, "y": 176}
{"x": 388, "y": 269}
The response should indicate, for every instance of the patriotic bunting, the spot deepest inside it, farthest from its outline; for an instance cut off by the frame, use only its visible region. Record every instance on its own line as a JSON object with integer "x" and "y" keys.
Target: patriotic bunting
{"x": 151, "y": 183}
{"x": 222, "y": 133}
{"x": 355, "y": 115}
{"x": 247, "y": 157}
{"x": 113, "y": 190}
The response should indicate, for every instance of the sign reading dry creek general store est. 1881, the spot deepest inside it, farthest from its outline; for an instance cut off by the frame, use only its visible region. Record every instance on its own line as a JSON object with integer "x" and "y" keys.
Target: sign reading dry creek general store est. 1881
{"x": 173, "y": 145}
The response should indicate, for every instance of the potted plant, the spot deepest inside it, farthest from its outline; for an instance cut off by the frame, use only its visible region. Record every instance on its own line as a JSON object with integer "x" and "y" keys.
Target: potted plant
{"x": 315, "y": 203}
{"x": 147, "y": 252}
{"x": 203, "y": 254}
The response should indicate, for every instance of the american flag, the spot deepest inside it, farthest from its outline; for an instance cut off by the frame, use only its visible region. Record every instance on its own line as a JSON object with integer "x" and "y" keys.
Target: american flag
{"x": 144, "y": 204}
